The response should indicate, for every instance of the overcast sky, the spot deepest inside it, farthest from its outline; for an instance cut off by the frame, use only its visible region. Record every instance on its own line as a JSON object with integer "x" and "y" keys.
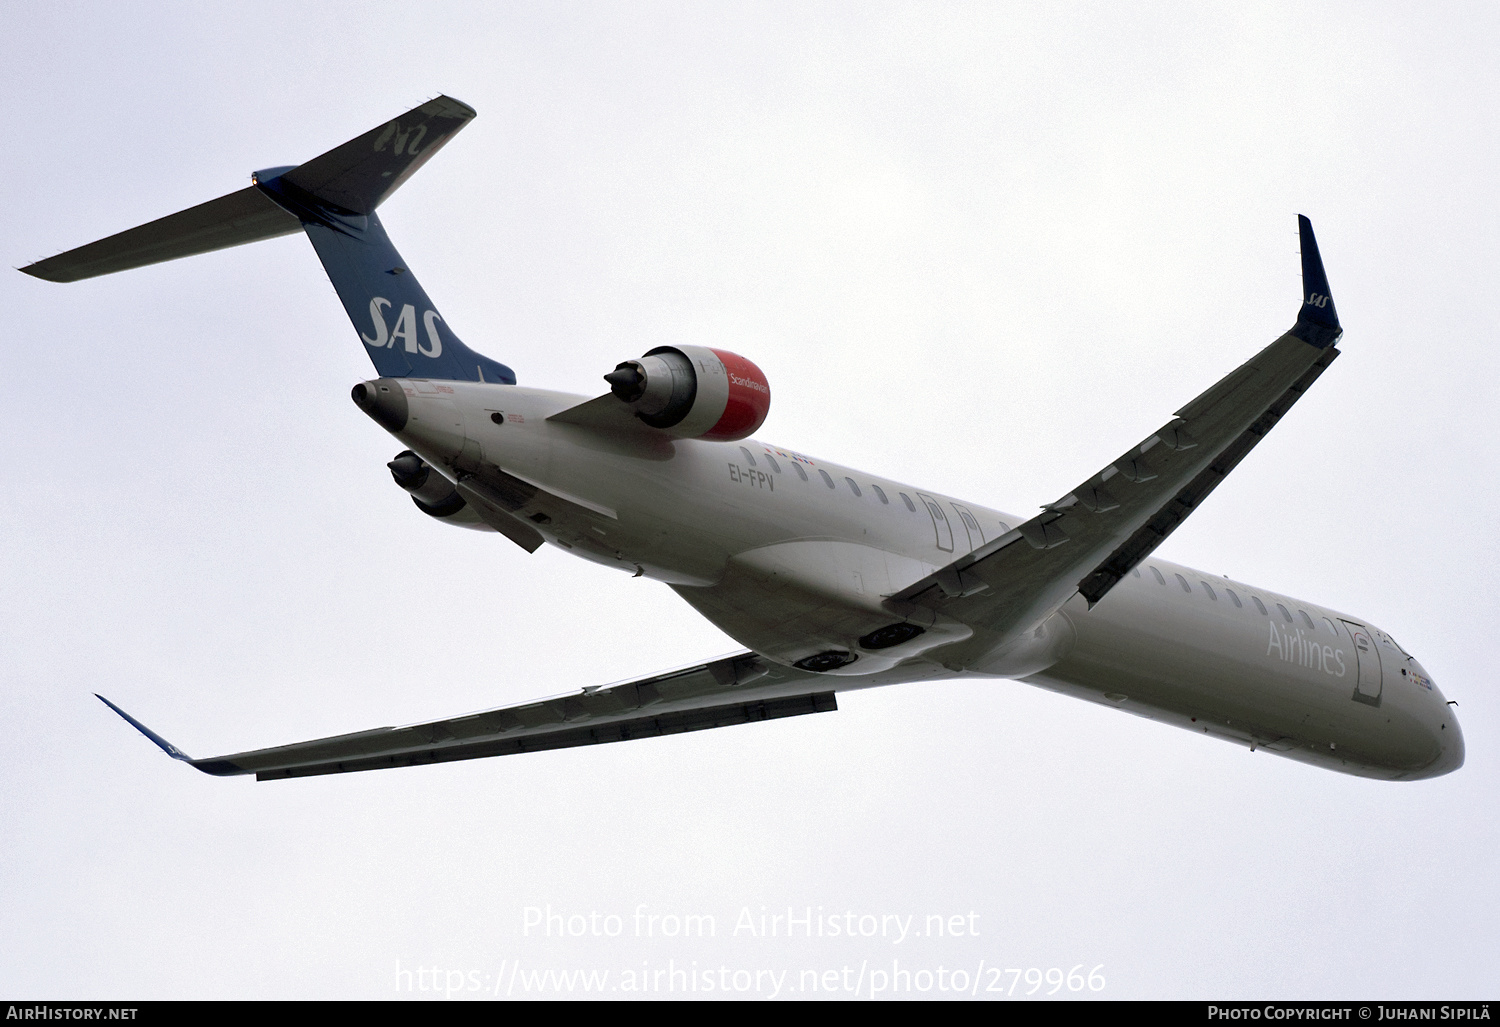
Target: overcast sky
{"x": 978, "y": 248}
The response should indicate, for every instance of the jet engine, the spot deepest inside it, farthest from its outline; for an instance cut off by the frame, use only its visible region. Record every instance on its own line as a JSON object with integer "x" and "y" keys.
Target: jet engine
{"x": 434, "y": 495}
{"x": 694, "y": 392}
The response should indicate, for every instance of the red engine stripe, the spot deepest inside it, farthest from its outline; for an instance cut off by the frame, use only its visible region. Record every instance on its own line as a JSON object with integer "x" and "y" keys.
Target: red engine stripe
{"x": 749, "y": 399}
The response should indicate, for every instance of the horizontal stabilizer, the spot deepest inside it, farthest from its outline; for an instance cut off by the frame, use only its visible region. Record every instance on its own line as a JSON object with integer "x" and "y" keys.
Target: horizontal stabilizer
{"x": 354, "y": 178}
{"x": 245, "y": 216}
{"x": 358, "y": 176}
{"x": 333, "y": 198}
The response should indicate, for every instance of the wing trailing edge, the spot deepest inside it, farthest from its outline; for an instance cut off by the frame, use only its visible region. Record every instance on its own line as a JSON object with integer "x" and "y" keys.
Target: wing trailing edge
{"x": 1087, "y": 541}
{"x": 737, "y": 689}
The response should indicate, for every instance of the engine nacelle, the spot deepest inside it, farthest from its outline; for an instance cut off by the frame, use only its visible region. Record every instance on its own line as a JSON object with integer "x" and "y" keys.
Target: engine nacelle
{"x": 694, "y": 392}
{"x": 434, "y": 495}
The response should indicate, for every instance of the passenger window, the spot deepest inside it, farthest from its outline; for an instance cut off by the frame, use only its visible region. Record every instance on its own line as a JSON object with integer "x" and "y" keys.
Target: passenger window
{"x": 1285, "y": 612}
{"x": 852, "y": 486}
{"x": 1183, "y": 582}
{"x": 971, "y": 522}
{"x": 748, "y": 456}
{"x": 1159, "y": 579}
{"x": 800, "y": 472}
{"x": 1259, "y": 606}
{"x": 826, "y": 480}
{"x": 1234, "y": 599}
{"x": 1331, "y": 629}
{"x": 909, "y": 504}
{"x": 772, "y": 461}
{"x": 1003, "y": 526}
{"x": 1307, "y": 620}
{"x": 1136, "y": 571}
{"x": 880, "y": 494}
{"x": 1210, "y": 590}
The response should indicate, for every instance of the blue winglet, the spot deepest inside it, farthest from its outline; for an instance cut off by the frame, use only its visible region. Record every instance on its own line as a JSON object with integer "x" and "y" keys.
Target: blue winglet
{"x": 1318, "y": 320}
{"x": 166, "y": 746}
{"x": 216, "y": 767}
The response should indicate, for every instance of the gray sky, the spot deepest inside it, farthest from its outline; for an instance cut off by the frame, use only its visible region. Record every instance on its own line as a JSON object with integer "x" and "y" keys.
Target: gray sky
{"x": 978, "y": 248}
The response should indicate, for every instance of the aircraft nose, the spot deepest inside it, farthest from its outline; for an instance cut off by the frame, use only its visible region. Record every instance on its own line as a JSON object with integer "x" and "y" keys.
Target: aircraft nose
{"x": 384, "y": 400}
{"x": 1439, "y": 718}
{"x": 1450, "y": 739}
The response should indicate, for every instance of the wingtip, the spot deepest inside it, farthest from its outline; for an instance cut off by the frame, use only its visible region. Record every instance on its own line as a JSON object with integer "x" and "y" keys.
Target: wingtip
{"x": 165, "y": 746}
{"x": 1318, "y": 320}
{"x": 449, "y": 106}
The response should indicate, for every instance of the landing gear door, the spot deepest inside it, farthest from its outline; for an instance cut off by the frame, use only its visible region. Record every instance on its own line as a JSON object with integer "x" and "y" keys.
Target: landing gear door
{"x": 1367, "y": 687}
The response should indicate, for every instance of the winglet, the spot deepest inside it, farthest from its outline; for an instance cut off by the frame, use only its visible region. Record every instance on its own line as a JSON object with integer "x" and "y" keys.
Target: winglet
{"x": 1318, "y": 321}
{"x": 166, "y": 746}
{"x": 216, "y": 767}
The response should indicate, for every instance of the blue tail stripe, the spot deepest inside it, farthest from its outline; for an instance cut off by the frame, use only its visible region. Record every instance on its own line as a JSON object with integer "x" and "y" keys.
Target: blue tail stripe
{"x": 398, "y": 324}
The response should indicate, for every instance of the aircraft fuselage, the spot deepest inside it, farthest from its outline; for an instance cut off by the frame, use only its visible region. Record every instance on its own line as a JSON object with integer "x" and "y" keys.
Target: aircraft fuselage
{"x": 792, "y": 556}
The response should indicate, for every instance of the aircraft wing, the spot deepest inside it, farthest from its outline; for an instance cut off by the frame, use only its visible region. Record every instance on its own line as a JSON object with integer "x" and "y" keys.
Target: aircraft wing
{"x": 736, "y": 689}
{"x": 1092, "y": 537}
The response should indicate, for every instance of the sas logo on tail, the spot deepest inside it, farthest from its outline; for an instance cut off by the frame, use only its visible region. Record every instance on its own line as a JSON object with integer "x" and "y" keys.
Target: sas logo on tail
{"x": 1318, "y": 300}
{"x": 405, "y": 330}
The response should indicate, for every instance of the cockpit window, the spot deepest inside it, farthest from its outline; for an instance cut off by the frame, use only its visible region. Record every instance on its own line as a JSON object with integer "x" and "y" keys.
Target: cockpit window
{"x": 1389, "y": 642}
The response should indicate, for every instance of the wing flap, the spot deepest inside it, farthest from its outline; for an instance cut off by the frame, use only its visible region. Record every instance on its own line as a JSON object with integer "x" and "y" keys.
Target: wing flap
{"x": 737, "y": 689}
{"x": 667, "y": 723}
{"x": 1167, "y": 518}
{"x": 1096, "y": 534}
{"x": 1091, "y": 538}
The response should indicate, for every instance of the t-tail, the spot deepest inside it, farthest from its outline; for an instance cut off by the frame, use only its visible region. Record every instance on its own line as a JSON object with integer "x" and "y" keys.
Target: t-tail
{"x": 333, "y": 199}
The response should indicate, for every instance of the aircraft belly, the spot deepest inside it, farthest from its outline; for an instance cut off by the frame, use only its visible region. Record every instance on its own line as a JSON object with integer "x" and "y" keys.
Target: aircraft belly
{"x": 794, "y": 599}
{"x": 1203, "y": 665}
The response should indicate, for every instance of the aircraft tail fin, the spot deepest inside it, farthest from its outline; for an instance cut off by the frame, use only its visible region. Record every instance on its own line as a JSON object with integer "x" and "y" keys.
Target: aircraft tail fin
{"x": 333, "y": 198}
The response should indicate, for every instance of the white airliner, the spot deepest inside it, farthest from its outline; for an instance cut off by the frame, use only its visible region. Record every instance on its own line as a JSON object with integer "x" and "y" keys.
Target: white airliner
{"x": 832, "y": 578}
